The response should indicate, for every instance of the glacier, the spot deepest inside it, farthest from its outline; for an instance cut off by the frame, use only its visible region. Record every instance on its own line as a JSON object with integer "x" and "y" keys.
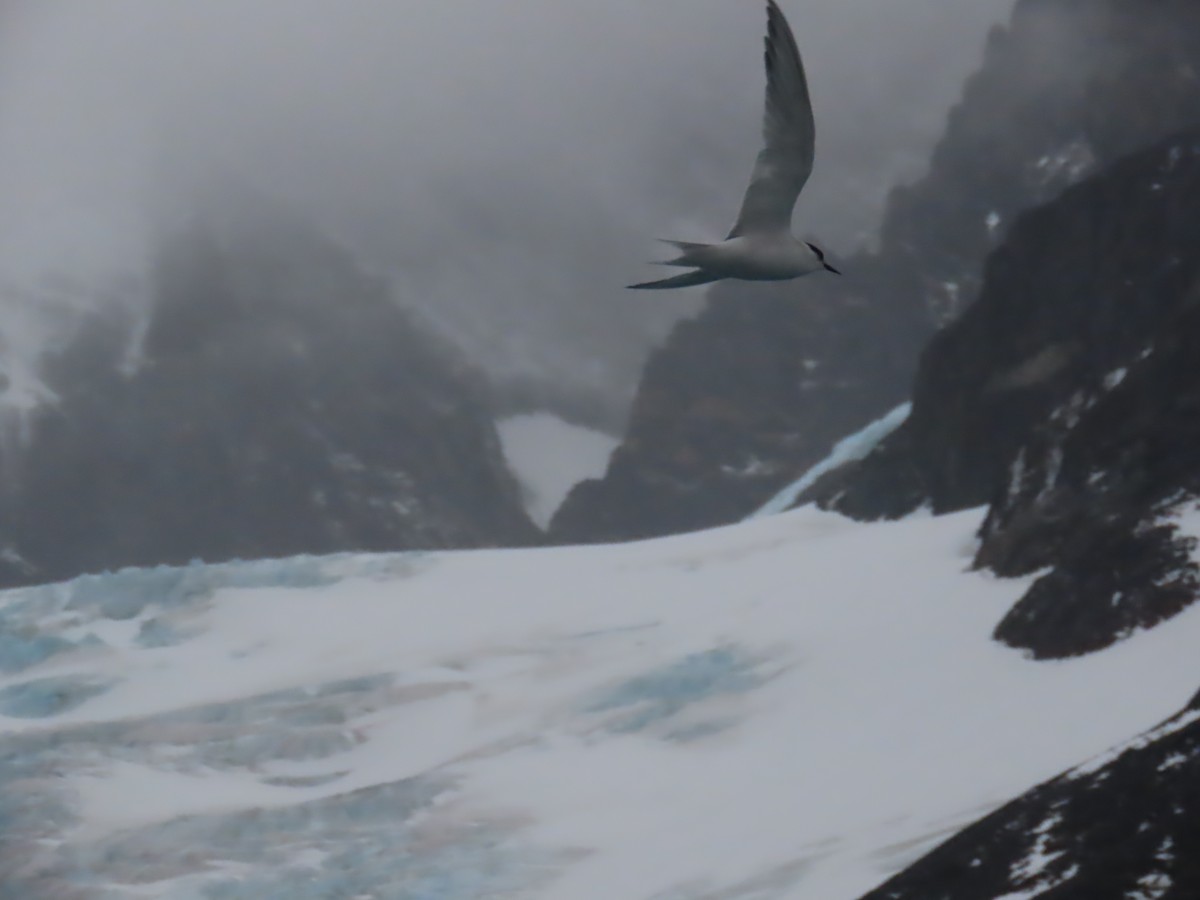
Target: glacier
{"x": 796, "y": 706}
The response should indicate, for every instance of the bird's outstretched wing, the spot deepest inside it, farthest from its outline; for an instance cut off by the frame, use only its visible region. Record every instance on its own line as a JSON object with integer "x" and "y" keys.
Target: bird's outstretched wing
{"x": 786, "y": 160}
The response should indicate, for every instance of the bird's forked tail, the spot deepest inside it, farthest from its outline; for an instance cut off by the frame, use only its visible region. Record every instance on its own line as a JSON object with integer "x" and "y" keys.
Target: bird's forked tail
{"x": 692, "y": 255}
{"x": 687, "y": 279}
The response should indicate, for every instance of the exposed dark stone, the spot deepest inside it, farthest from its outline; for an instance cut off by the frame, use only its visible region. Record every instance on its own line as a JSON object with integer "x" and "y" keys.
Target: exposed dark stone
{"x": 736, "y": 397}
{"x": 1081, "y": 288}
{"x": 766, "y": 379}
{"x": 284, "y": 404}
{"x": 1121, "y": 476}
{"x": 1119, "y": 828}
{"x": 1068, "y": 397}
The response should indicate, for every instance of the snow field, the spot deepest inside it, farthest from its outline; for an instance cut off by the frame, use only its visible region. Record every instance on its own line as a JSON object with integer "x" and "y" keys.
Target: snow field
{"x": 794, "y": 707}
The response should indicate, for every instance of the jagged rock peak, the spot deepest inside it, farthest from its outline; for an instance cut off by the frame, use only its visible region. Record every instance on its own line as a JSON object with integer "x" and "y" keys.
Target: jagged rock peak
{"x": 282, "y": 403}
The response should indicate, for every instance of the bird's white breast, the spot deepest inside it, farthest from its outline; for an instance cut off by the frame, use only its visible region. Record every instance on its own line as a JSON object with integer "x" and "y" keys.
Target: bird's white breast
{"x": 764, "y": 257}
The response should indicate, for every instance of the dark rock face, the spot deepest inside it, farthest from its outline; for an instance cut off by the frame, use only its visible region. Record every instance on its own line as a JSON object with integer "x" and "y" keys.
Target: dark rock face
{"x": 283, "y": 405}
{"x": 1121, "y": 827}
{"x": 1099, "y": 499}
{"x": 730, "y": 403}
{"x": 1082, "y": 287}
{"x": 1067, "y": 397}
{"x": 766, "y": 379}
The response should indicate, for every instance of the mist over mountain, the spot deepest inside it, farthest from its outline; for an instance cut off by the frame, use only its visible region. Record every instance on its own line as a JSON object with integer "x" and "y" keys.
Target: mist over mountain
{"x": 274, "y": 402}
{"x": 507, "y": 165}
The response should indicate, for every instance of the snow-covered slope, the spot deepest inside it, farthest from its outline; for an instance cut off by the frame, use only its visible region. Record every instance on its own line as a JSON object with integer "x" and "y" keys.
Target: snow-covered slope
{"x": 549, "y": 456}
{"x": 793, "y": 707}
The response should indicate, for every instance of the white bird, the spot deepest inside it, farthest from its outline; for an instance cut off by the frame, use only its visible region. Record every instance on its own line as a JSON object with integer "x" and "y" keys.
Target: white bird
{"x": 761, "y": 247}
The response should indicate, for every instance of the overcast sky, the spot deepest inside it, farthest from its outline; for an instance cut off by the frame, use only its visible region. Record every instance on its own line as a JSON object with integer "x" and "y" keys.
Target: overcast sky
{"x": 508, "y": 161}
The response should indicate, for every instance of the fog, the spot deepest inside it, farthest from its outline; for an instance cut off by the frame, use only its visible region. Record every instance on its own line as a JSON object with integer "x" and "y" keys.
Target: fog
{"x": 507, "y": 163}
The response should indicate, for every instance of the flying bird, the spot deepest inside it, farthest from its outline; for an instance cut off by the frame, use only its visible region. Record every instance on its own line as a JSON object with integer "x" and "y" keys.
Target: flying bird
{"x": 760, "y": 247}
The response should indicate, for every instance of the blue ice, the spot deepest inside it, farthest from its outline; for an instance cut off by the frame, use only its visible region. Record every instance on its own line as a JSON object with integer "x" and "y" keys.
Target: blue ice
{"x": 658, "y": 695}
{"x": 20, "y": 651}
{"x": 358, "y": 844}
{"x": 130, "y": 593}
{"x": 45, "y": 697}
{"x": 849, "y": 449}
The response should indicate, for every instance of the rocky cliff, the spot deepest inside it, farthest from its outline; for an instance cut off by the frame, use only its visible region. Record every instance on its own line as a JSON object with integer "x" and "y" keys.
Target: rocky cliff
{"x": 736, "y": 398}
{"x": 278, "y": 402}
{"x": 1066, "y": 397}
{"x": 767, "y": 378}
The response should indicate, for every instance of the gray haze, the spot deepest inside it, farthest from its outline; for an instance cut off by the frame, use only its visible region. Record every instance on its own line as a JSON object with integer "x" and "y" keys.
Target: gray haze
{"x": 507, "y": 162}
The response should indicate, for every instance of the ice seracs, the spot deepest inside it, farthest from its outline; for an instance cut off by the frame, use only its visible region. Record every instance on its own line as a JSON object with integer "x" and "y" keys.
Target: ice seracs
{"x": 760, "y": 246}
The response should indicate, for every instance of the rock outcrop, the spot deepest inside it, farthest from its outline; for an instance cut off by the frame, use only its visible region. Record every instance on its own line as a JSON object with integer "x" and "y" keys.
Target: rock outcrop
{"x": 280, "y": 403}
{"x": 1121, "y": 826}
{"x": 1067, "y": 398}
{"x": 760, "y": 383}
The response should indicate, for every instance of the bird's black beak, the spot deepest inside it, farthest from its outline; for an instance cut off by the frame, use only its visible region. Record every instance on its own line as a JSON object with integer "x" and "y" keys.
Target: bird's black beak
{"x": 830, "y": 268}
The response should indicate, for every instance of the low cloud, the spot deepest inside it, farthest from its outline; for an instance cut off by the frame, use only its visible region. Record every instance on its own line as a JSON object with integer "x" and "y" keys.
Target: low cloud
{"x": 508, "y": 164}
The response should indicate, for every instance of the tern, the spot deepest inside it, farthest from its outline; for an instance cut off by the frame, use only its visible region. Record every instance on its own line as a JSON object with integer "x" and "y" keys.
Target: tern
{"x": 761, "y": 247}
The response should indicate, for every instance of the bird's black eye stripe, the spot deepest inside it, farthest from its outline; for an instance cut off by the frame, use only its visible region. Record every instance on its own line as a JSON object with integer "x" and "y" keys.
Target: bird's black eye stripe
{"x": 817, "y": 250}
